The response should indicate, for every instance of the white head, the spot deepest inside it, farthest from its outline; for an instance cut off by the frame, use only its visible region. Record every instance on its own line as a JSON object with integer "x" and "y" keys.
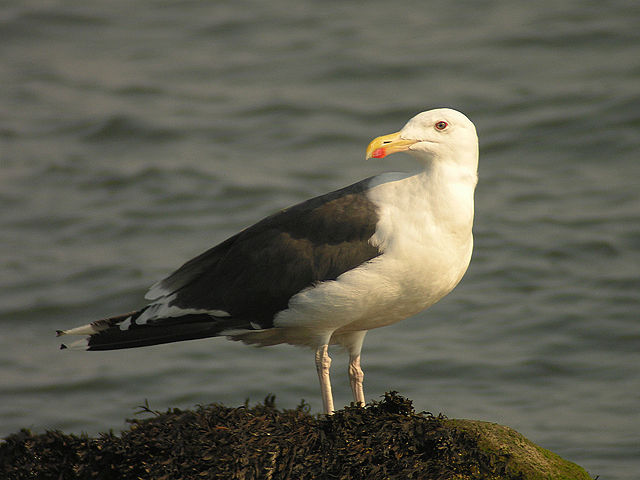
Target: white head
{"x": 436, "y": 135}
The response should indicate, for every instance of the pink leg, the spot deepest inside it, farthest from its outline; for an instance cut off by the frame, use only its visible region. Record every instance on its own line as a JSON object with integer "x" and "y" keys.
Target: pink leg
{"x": 323, "y": 363}
{"x": 356, "y": 376}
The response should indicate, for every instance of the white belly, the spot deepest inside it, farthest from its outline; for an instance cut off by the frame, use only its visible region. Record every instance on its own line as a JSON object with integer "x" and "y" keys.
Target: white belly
{"x": 381, "y": 292}
{"x": 426, "y": 251}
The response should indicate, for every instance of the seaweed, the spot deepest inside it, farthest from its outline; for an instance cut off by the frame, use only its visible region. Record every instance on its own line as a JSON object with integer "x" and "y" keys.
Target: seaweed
{"x": 384, "y": 440}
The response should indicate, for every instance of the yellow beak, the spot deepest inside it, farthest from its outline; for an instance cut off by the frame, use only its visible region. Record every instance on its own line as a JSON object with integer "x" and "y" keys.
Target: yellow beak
{"x": 387, "y": 144}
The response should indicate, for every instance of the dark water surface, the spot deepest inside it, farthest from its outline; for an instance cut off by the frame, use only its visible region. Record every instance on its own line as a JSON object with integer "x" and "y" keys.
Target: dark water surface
{"x": 134, "y": 135}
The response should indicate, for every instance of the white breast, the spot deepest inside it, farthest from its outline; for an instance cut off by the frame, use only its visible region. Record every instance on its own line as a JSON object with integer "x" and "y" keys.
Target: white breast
{"x": 424, "y": 232}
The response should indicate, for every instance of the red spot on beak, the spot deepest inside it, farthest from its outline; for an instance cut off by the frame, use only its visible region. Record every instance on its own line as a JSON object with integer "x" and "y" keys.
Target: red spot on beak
{"x": 379, "y": 153}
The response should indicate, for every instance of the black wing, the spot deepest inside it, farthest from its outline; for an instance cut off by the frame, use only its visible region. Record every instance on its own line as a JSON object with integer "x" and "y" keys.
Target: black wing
{"x": 253, "y": 274}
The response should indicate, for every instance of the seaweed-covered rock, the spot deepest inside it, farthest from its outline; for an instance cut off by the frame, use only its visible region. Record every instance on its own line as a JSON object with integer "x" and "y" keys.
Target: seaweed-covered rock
{"x": 385, "y": 440}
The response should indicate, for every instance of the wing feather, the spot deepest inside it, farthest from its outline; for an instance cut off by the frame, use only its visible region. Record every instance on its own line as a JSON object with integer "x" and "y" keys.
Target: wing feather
{"x": 253, "y": 274}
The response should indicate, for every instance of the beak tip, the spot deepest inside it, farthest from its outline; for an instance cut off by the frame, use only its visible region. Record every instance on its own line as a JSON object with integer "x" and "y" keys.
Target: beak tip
{"x": 385, "y": 145}
{"x": 379, "y": 153}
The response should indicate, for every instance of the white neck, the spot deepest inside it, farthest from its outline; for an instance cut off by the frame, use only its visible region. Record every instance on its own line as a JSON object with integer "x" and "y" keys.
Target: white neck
{"x": 437, "y": 201}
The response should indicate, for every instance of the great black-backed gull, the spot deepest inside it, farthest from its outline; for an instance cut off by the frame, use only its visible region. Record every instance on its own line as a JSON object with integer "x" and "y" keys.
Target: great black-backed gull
{"x": 327, "y": 270}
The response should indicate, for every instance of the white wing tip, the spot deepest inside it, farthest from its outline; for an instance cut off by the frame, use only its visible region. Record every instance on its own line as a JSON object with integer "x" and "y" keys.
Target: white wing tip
{"x": 88, "y": 329}
{"x": 82, "y": 344}
{"x": 156, "y": 291}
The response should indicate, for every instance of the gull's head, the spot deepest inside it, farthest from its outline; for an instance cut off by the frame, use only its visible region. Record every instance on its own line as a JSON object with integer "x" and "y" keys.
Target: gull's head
{"x": 439, "y": 134}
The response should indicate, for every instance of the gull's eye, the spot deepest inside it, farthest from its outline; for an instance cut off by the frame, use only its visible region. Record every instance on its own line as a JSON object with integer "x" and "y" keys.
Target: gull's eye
{"x": 441, "y": 125}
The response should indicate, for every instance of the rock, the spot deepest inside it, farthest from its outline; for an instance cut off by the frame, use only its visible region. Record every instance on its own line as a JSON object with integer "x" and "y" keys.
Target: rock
{"x": 518, "y": 457}
{"x": 385, "y": 440}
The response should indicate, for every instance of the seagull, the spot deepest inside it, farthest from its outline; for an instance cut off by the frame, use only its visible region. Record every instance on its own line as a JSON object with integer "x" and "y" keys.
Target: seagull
{"x": 327, "y": 270}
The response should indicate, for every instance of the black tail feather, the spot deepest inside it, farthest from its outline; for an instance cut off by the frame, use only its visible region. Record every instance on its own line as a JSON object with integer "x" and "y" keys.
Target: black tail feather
{"x": 187, "y": 327}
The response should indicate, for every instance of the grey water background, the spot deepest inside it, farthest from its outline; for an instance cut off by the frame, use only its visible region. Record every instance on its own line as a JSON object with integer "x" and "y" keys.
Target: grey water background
{"x": 135, "y": 135}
